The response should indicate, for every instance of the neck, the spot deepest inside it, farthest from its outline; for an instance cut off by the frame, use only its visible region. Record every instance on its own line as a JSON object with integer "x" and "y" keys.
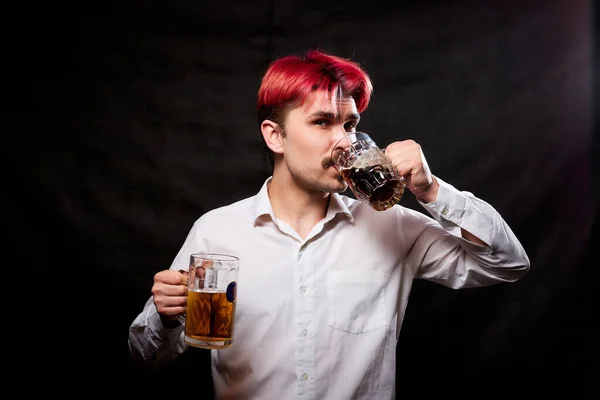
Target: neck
{"x": 299, "y": 208}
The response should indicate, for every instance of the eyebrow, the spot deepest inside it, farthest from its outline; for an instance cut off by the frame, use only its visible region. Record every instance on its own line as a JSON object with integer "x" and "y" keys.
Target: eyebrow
{"x": 330, "y": 115}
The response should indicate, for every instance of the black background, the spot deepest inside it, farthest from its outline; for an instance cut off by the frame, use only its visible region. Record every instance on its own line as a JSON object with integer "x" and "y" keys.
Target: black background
{"x": 127, "y": 120}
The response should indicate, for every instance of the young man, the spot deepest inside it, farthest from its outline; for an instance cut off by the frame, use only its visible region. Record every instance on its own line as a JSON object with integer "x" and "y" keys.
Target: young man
{"x": 324, "y": 279}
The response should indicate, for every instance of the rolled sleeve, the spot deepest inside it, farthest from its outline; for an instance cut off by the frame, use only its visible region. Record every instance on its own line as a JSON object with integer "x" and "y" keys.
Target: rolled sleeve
{"x": 150, "y": 342}
{"x": 504, "y": 258}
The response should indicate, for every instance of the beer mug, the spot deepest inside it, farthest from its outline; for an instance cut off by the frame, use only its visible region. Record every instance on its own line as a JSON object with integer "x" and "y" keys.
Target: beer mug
{"x": 368, "y": 172}
{"x": 212, "y": 291}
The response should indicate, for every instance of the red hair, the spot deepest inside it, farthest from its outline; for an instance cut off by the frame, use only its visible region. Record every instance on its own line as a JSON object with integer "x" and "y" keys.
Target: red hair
{"x": 290, "y": 80}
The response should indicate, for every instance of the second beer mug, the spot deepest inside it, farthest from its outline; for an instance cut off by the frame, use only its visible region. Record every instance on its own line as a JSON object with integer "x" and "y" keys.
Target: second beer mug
{"x": 367, "y": 171}
{"x": 212, "y": 292}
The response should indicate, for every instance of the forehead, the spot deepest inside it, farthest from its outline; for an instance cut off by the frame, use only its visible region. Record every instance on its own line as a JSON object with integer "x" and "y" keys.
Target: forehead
{"x": 322, "y": 101}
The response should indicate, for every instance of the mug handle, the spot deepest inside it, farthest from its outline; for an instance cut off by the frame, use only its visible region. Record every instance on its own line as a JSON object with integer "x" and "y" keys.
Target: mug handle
{"x": 181, "y": 317}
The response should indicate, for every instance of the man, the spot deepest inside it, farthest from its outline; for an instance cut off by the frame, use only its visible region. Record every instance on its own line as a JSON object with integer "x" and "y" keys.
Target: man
{"x": 324, "y": 279}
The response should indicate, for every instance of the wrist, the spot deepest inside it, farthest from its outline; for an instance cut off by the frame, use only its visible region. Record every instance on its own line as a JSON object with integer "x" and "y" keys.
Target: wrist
{"x": 169, "y": 322}
{"x": 430, "y": 195}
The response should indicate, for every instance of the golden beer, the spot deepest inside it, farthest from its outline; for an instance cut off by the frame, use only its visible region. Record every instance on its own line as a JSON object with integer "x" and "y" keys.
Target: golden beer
{"x": 209, "y": 319}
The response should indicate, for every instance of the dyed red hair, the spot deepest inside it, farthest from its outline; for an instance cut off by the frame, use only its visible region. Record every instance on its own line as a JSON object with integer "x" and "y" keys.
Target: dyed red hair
{"x": 290, "y": 80}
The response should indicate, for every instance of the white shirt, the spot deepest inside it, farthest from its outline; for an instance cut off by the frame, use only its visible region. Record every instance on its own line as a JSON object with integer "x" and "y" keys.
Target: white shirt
{"x": 319, "y": 318}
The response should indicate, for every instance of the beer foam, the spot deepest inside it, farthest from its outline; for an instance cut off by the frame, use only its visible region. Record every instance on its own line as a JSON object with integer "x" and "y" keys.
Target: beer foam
{"x": 369, "y": 157}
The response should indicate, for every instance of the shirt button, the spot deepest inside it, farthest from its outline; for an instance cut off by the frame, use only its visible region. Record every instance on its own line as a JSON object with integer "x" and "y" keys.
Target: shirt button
{"x": 303, "y": 289}
{"x": 305, "y": 376}
{"x": 304, "y": 332}
{"x": 445, "y": 211}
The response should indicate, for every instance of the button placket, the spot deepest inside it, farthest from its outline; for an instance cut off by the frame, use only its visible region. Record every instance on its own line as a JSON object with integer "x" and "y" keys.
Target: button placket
{"x": 305, "y": 313}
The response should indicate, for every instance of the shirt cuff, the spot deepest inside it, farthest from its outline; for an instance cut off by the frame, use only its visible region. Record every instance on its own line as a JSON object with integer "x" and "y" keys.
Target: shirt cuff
{"x": 164, "y": 330}
{"x": 164, "y": 339}
{"x": 449, "y": 206}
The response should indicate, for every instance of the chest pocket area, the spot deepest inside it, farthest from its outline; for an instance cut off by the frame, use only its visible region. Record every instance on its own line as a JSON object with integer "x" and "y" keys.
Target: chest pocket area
{"x": 356, "y": 300}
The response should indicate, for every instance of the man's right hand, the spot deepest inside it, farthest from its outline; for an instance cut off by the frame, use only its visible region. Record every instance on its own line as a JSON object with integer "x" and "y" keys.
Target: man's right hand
{"x": 170, "y": 293}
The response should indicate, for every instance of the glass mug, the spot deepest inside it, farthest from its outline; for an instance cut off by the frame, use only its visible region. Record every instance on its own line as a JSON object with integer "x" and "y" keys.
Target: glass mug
{"x": 368, "y": 172}
{"x": 212, "y": 290}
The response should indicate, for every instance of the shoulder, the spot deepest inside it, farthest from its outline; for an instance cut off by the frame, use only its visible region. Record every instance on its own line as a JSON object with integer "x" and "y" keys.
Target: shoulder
{"x": 238, "y": 211}
{"x": 361, "y": 210}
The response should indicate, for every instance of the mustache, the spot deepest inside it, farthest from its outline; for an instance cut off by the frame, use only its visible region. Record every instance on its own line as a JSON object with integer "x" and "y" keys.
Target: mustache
{"x": 327, "y": 162}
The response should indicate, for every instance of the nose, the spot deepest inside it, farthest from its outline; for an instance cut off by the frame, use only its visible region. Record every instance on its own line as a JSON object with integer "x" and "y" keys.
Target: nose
{"x": 338, "y": 134}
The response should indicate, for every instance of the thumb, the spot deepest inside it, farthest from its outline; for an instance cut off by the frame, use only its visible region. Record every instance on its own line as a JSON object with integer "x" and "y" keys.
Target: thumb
{"x": 184, "y": 277}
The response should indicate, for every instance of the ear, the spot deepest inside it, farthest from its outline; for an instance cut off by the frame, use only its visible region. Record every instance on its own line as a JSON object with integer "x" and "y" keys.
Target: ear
{"x": 273, "y": 136}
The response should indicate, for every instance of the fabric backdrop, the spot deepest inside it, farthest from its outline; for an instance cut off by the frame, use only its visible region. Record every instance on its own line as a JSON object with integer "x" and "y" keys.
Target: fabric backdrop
{"x": 134, "y": 118}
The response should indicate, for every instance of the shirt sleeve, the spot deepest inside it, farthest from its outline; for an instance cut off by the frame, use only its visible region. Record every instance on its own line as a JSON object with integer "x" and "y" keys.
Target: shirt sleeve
{"x": 151, "y": 344}
{"x": 444, "y": 256}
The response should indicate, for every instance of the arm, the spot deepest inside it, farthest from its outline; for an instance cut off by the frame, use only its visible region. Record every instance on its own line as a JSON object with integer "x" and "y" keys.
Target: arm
{"x": 470, "y": 246}
{"x": 431, "y": 195}
{"x": 156, "y": 336}
{"x": 151, "y": 343}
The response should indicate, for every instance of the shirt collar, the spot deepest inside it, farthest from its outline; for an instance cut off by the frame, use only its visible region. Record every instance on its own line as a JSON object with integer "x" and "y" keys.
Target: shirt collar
{"x": 263, "y": 207}
{"x": 262, "y": 203}
{"x": 337, "y": 205}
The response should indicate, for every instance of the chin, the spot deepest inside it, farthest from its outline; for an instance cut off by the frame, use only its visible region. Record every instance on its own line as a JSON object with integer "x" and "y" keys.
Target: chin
{"x": 331, "y": 182}
{"x": 340, "y": 187}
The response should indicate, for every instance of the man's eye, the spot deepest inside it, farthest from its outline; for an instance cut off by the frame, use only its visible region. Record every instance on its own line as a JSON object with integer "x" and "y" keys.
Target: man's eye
{"x": 349, "y": 125}
{"x": 321, "y": 122}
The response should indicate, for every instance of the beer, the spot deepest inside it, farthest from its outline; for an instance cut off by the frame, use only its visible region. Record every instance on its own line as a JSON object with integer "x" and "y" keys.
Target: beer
{"x": 209, "y": 318}
{"x": 368, "y": 172}
{"x": 377, "y": 184}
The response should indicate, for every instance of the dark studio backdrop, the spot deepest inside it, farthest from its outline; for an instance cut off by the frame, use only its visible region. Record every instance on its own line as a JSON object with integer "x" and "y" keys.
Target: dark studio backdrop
{"x": 141, "y": 118}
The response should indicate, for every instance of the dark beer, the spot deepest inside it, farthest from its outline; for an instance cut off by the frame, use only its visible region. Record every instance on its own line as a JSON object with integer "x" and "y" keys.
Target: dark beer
{"x": 209, "y": 318}
{"x": 377, "y": 184}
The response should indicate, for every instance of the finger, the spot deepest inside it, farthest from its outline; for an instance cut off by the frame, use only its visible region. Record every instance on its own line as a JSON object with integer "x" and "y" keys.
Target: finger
{"x": 169, "y": 304}
{"x": 404, "y": 166}
{"x": 171, "y": 311}
{"x": 165, "y": 289}
{"x": 170, "y": 301}
{"x": 169, "y": 277}
{"x": 399, "y": 145}
{"x": 397, "y": 156}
